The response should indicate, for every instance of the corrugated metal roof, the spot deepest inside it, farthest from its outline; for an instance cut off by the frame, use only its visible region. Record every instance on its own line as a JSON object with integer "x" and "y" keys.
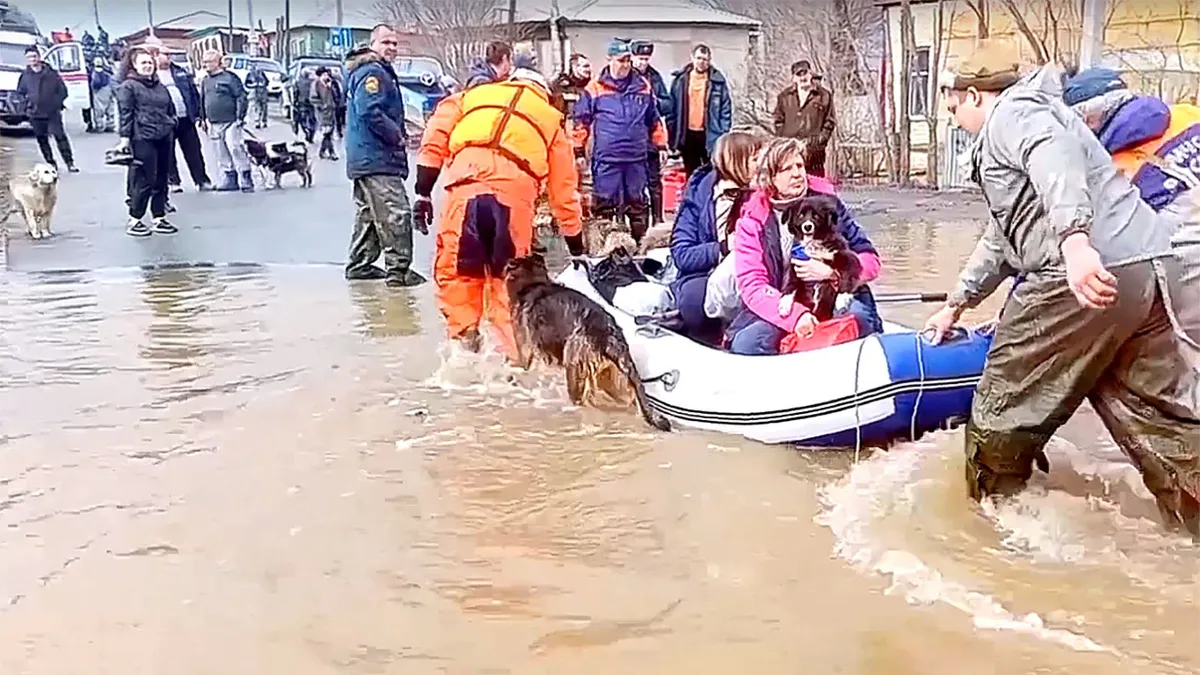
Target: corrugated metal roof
{"x": 631, "y": 11}
{"x": 194, "y": 21}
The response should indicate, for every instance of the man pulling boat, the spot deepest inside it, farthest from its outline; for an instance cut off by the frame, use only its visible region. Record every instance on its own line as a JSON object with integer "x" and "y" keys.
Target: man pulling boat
{"x": 1089, "y": 319}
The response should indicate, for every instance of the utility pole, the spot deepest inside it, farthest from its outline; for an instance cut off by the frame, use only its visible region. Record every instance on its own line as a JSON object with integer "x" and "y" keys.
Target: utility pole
{"x": 339, "y": 14}
{"x": 252, "y": 49}
{"x": 150, "y": 16}
{"x": 1091, "y": 44}
{"x": 96, "y": 12}
{"x": 512, "y": 12}
{"x": 287, "y": 34}
{"x": 229, "y": 10}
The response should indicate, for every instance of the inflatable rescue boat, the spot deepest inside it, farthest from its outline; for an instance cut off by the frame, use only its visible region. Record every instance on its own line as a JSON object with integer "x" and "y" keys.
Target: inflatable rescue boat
{"x": 874, "y": 391}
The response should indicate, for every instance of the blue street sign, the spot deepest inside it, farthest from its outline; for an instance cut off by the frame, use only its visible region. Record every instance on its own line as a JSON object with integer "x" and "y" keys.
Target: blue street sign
{"x": 340, "y": 37}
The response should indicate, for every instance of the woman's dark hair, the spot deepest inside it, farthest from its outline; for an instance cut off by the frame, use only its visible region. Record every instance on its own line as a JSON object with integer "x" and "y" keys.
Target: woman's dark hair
{"x": 130, "y": 55}
{"x": 322, "y": 70}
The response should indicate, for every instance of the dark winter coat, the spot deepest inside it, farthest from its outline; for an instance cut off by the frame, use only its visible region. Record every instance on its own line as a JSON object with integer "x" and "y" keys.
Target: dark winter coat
{"x": 145, "y": 110}
{"x": 44, "y": 92}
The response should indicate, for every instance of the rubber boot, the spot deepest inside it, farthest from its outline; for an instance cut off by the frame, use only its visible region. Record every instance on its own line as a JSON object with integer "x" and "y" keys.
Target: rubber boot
{"x": 247, "y": 181}
{"x": 230, "y": 184}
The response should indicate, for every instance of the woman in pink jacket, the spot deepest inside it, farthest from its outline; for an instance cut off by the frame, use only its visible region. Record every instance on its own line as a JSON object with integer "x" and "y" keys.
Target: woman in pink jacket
{"x": 762, "y": 250}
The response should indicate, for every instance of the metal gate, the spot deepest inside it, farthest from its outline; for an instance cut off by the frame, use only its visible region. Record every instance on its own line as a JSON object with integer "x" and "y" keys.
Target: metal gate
{"x": 956, "y": 161}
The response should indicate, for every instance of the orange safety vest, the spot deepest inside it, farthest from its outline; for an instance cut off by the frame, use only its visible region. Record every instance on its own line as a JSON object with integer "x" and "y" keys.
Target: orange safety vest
{"x": 512, "y": 118}
{"x": 1165, "y": 167}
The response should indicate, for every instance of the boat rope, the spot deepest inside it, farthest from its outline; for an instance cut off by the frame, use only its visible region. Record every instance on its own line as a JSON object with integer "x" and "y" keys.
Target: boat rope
{"x": 912, "y": 426}
{"x": 857, "y": 413}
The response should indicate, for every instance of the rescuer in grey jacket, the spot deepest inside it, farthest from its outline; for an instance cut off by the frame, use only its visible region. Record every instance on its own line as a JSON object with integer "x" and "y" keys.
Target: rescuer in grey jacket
{"x": 1089, "y": 318}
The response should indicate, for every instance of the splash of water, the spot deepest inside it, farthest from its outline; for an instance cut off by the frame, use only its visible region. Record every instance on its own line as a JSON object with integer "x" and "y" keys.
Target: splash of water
{"x": 883, "y": 485}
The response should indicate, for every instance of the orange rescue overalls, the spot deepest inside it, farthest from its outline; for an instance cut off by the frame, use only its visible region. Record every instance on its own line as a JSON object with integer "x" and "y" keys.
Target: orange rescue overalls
{"x": 495, "y": 145}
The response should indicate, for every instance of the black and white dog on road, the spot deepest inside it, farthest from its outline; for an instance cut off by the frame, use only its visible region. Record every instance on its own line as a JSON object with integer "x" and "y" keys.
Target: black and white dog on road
{"x": 279, "y": 158}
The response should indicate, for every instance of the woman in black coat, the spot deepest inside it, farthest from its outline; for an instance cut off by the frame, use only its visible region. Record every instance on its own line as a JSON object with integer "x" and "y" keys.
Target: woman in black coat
{"x": 147, "y": 124}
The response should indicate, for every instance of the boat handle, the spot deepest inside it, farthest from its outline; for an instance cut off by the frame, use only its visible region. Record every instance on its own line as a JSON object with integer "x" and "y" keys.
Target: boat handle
{"x": 955, "y": 334}
{"x": 668, "y": 380}
{"x": 651, "y": 330}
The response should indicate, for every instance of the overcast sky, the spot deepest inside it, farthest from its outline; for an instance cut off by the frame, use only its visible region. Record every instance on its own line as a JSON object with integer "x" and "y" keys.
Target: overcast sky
{"x": 121, "y": 17}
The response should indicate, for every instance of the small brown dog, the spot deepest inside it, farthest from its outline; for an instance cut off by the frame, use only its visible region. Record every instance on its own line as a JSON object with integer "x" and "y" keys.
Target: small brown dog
{"x": 813, "y": 224}
{"x": 567, "y": 328}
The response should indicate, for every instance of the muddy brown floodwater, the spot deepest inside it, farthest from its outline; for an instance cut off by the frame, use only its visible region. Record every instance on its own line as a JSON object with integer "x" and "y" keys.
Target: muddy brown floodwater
{"x": 264, "y": 471}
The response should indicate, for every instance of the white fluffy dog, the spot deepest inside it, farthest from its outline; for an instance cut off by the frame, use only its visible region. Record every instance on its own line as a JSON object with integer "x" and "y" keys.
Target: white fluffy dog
{"x": 35, "y": 195}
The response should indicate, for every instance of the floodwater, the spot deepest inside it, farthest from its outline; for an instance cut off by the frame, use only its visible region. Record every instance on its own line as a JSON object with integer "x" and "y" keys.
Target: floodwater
{"x": 269, "y": 471}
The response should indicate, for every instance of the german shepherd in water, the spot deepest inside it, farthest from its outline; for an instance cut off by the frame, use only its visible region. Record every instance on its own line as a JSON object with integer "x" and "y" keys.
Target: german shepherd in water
{"x": 567, "y": 328}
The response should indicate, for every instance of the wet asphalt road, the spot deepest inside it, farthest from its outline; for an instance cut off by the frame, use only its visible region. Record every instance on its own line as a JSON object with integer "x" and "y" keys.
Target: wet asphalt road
{"x": 289, "y": 226}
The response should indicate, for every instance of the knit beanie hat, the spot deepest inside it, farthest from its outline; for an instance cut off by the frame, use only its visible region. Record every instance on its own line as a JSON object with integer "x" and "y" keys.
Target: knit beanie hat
{"x": 618, "y": 47}
{"x": 993, "y": 66}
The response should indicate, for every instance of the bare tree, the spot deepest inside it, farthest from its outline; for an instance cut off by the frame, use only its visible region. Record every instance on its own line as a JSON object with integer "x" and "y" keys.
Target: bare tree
{"x": 983, "y": 17}
{"x": 840, "y": 38}
{"x": 456, "y": 31}
{"x": 903, "y": 118}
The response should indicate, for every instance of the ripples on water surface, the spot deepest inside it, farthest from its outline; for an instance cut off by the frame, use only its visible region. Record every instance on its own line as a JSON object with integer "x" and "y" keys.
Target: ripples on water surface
{"x": 267, "y": 471}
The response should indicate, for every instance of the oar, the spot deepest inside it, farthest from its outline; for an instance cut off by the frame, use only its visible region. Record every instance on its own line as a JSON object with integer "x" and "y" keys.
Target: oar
{"x": 893, "y": 298}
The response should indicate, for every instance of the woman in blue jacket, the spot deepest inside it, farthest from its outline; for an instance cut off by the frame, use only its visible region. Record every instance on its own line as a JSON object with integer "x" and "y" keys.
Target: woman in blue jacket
{"x": 704, "y": 226}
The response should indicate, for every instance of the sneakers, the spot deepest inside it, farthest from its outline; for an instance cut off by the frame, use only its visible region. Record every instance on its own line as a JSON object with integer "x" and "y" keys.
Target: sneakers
{"x": 136, "y": 228}
{"x": 207, "y": 187}
{"x": 163, "y": 226}
{"x": 171, "y": 207}
{"x": 176, "y": 189}
{"x": 72, "y": 168}
{"x": 247, "y": 181}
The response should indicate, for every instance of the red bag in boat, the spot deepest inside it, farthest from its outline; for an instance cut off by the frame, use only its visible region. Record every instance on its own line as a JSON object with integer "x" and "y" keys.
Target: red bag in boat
{"x": 827, "y": 334}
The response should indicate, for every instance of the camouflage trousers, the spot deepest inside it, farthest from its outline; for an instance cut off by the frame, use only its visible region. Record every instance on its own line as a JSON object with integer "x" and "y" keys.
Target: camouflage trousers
{"x": 383, "y": 224}
{"x": 1049, "y": 355}
{"x": 1184, "y": 272}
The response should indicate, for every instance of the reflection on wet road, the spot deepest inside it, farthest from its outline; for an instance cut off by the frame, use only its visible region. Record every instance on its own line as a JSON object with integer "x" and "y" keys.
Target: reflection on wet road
{"x": 271, "y": 471}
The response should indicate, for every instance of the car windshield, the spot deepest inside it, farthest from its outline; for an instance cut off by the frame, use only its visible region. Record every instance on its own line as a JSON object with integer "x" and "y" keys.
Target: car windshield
{"x": 415, "y": 65}
{"x": 12, "y": 57}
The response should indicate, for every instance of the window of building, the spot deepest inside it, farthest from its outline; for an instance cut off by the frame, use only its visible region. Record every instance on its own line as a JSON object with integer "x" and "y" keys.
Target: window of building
{"x": 919, "y": 83}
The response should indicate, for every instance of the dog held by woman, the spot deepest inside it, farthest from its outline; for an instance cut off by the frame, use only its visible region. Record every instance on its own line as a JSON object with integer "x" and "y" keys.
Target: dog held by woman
{"x": 567, "y": 328}
{"x": 813, "y": 225}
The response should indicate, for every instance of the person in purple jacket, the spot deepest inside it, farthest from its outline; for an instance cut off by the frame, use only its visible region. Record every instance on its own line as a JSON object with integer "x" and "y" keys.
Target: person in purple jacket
{"x": 759, "y": 244}
{"x": 704, "y": 224}
{"x": 619, "y": 113}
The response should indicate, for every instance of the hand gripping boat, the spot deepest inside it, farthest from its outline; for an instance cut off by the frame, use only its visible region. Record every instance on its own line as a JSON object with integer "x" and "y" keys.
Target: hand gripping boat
{"x": 875, "y": 391}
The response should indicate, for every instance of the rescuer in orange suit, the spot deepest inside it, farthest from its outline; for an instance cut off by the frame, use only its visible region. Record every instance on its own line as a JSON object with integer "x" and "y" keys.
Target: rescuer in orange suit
{"x": 497, "y": 146}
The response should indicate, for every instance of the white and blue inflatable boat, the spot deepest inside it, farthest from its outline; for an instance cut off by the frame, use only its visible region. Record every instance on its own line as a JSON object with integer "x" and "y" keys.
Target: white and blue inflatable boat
{"x": 875, "y": 391}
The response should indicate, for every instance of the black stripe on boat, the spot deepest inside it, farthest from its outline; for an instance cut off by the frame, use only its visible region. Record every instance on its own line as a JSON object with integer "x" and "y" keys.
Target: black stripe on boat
{"x": 817, "y": 409}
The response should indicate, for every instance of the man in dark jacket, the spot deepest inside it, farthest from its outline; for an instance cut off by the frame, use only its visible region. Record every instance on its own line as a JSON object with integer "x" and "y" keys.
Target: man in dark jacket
{"x": 186, "y": 98}
{"x": 45, "y": 96}
{"x": 496, "y": 65}
{"x": 642, "y": 51}
{"x": 804, "y": 110}
{"x": 377, "y": 163}
{"x": 257, "y": 83}
{"x": 701, "y": 109}
{"x": 303, "y": 117}
{"x": 567, "y": 87}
